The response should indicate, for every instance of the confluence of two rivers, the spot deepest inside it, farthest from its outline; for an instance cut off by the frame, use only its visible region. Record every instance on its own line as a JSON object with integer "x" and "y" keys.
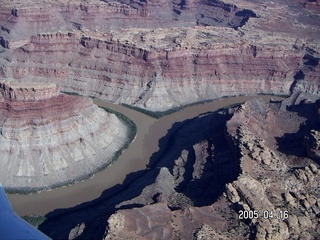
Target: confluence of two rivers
{"x": 134, "y": 158}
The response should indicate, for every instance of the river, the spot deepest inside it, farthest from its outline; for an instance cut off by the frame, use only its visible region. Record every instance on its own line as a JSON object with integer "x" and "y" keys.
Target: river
{"x": 134, "y": 158}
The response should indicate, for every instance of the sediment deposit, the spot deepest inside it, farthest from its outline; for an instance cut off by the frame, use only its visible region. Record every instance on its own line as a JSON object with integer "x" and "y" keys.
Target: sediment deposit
{"x": 137, "y": 54}
{"x": 49, "y": 139}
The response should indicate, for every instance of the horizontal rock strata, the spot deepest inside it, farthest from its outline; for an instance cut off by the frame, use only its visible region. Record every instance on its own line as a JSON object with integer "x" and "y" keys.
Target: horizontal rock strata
{"x": 49, "y": 139}
{"x": 156, "y": 79}
{"x": 20, "y": 19}
{"x": 130, "y": 52}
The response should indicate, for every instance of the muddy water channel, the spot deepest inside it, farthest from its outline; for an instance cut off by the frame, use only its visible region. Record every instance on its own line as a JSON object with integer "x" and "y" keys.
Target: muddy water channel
{"x": 134, "y": 158}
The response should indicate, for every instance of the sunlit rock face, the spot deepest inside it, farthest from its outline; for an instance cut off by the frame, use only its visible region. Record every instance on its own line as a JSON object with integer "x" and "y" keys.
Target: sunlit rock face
{"x": 159, "y": 55}
{"x": 161, "y": 70}
{"x": 49, "y": 139}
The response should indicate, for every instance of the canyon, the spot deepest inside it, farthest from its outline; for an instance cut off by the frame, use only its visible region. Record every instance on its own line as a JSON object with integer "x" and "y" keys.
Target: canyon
{"x": 49, "y": 139}
{"x": 184, "y": 190}
{"x": 163, "y": 67}
{"x": 225, "y": 165}
{"x": 158, "y": 57}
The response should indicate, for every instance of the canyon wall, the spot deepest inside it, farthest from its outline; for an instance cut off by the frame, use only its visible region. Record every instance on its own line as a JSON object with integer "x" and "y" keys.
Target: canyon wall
{"x": 14, "y": 91}
{"x": 22, "y": 19}
{"x": 131, "y": 52}
{"x": 249, "y": 158}
{"x": 159, "y": 71}
{"x": 48, "y": 139}
{"x": 279, "y": 186}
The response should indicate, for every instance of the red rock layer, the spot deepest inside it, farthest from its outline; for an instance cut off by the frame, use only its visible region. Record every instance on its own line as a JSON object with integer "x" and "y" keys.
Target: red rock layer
{"x": 19, "y": 20}
{"x": 28, "y": 91}
{"x": 40, "y": 112}
{"x": 138, "y": 76}
{"x": 159, "y": 69}
{"x": 48, "y": 139}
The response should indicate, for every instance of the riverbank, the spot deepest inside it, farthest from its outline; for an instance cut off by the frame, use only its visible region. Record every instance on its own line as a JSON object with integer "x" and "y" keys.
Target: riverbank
{"x": 104, "y": 132}
{"x": 159, "y": 114}
{"x": 133, "y": 159}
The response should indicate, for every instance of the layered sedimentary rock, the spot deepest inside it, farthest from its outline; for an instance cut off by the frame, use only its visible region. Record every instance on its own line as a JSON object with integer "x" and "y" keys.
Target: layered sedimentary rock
{"x": 131, "y": 52}
{"x": 216, "y": 171}
{"x": 280, "y": 186}
{"x": 19, "y": 20}
{"x": 49, "y": 139}
{"x": 174, "y": 68}
{"x": 159, "y": 55}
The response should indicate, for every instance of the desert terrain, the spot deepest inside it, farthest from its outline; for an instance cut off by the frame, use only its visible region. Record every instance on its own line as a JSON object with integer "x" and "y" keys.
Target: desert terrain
{"x": 244, "y": 170}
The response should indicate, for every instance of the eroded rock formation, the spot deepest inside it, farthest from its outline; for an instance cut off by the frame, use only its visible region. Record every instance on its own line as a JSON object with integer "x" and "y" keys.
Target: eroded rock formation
{"x": 49, "y": 139}
{"x": 277, "y": 173}
{"x": 252, "y": 158}
{"x": 134, "y": 53}
{"x": 163, "y": 54}
{"x": 281, "y": 187}
{"x": 312, "y": 143}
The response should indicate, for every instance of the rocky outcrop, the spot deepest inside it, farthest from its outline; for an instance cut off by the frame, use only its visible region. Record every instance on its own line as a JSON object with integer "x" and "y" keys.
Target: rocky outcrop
{"x": 130, "y": 52}
{"x": 26, "y": 91}
{"x": 311, "y": 5}
{"x": 49, "y": 139}
{"x": 307, "y": 78}
{"x": 157, "y": 66}
{"x": 280, "y": 188}
{"x": 271, "y": 181}
{"x": 192, "y": 175}
{"x": 312, "y": 143}
{"x": 245, "y": 176}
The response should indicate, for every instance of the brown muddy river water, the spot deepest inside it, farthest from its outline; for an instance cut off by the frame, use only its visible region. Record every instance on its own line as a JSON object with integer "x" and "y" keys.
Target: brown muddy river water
{"x": 134, "y": 158}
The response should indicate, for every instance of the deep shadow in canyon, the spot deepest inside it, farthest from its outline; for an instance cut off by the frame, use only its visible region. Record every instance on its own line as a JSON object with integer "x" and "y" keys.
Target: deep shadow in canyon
{"x": 218, "y": 13}
{"x": 293, "y": 143}
{"x": 200, "y": 186}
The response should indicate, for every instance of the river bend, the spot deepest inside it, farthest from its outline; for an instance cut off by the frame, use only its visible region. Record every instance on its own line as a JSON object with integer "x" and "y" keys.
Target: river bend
{"x": 134, "y": 158}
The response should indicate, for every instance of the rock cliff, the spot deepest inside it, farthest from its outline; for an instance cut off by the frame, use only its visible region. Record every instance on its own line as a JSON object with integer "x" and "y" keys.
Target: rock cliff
{"x": 49, "y": 139}
{"x": 217, "y": 171}
{"x": 22, "y": 19}
{"x": 280, "y": 187}
{"x": 28, "y": 91}
{"x": 159, "y": 55}
{"x": 155, "y": 73}
{"x": 130, "y": 52}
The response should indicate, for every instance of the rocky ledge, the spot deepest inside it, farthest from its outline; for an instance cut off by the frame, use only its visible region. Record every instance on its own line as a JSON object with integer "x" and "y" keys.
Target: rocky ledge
{"x": 49, "y": 139}
{"x": 277, "y": 181}
{"x": 28, "y": 91}
{"x": 217, "y": 170}
{"x": 165, "y": 54}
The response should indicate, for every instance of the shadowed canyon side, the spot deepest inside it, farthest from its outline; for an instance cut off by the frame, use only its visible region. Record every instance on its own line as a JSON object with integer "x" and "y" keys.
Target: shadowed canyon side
{"x": 255, "y": 157}
{"x": 280, "y": 186}
{"x": 133, "y": 53}
{"x": 49, "y": 139}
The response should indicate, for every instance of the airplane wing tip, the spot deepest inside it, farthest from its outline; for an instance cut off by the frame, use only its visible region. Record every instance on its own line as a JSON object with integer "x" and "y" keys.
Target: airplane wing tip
{"x": 14, "y": 227}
